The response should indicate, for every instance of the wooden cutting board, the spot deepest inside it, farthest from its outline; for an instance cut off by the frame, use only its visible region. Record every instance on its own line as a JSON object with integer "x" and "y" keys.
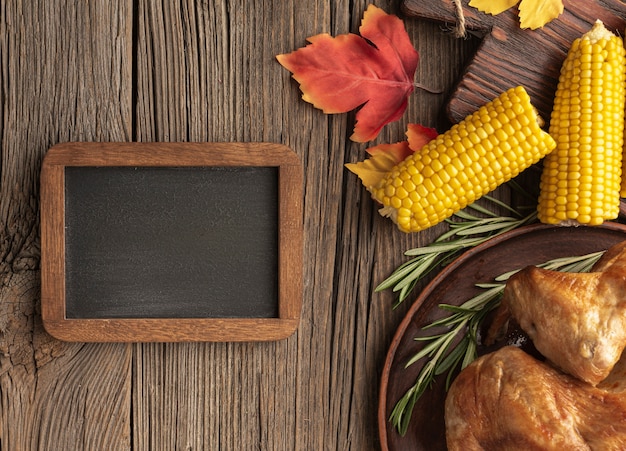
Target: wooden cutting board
{"x": 509, "y": 56}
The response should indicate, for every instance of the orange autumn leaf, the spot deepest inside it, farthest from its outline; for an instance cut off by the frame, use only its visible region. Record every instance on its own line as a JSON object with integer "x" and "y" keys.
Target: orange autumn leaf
{"x": 373, "y": 71}
{"x": 418, "y": 136}
{"x": 384, "y": 157}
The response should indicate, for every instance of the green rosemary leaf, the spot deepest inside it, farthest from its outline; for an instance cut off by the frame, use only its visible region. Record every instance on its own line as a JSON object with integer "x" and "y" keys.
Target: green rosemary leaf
{"x": 578, "y": 263}
{"x": 490, "y": 285}
{"x": 401, "y": 414}
{"x": 483, "y": 210}
{"x": 570, "y": 264}
{"x": 435, "y": 247}
{"x": 447, "y": 321}
{"x": 453, "y": 357}
{"x": 455, "y": 309}
{"x": 404, "y": 293}
{"x": 465, "y": 214}
{"x": 482, "y": 299}
{"x": 435, "y": 346}
{"x": 503, "y": 205}
{"x": 486, "y": 227}
{"x": 505, "y": 276}
{"x": 456, "y": 227}
{"x": 454, "y": 230}
{"x": 470, "y": 352}
{"x": 428, "y": 338}
{"x": 578, "y": 267}
{"x": 423, "y": 267}
{"x": 400, "y": 273}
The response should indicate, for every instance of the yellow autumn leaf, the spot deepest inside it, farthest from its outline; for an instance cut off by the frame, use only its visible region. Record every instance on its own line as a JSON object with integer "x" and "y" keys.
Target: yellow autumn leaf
{"x": 493, "y": 7}
{"x": 535, "y": 14}
{"x": 382, "y": 160}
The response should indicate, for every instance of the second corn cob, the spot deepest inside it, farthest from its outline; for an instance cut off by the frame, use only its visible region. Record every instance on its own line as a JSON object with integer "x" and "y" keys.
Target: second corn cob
{"x": 580, "y": 182}
{"x": 475, "y": 156}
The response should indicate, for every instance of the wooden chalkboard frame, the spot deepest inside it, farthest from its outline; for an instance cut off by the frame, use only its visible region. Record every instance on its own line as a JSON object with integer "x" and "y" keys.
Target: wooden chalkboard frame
{"x": 53, "y": 258}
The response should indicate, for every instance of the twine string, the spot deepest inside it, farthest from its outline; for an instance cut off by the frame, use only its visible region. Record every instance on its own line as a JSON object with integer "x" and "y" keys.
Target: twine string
{"x": 459, "y": 30}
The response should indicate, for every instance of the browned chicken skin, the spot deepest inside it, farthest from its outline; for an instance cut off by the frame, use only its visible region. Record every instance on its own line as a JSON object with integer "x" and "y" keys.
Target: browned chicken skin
{"x": 577, "y": 321}
{"x": 508, "y": 400}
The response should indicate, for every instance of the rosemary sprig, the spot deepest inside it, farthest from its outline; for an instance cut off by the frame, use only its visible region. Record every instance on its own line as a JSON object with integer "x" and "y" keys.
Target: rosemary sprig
{"x": 457, "y": 346}
{"x": 467, "y": 228}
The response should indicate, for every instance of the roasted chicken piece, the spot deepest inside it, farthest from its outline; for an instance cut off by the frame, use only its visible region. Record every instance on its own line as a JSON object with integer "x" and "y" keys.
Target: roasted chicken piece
{"x": 508, "y": 400}
{"x": 576, "y": 321}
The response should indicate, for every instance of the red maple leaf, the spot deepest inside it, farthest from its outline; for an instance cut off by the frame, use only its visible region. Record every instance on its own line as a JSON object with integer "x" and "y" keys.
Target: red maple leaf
{"x": 373, "y": 71}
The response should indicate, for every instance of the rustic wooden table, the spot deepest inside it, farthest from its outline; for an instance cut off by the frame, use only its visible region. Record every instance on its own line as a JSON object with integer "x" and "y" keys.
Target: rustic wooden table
{"x": 199, "y": 71}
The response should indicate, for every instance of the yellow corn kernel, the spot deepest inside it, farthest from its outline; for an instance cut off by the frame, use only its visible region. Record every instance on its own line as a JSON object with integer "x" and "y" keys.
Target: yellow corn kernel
{"x": 580, "y": 183}
{"x": 458, "y": 171}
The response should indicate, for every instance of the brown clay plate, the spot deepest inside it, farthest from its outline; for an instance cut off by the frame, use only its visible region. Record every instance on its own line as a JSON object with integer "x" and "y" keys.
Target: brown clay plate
{"x": 454, "y": 285}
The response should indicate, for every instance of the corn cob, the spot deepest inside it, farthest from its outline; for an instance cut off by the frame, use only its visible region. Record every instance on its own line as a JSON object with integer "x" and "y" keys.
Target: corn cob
{"x": 486, "y": 149}
{"x": 580, "y": 182}
{"x": 622, "y": 191}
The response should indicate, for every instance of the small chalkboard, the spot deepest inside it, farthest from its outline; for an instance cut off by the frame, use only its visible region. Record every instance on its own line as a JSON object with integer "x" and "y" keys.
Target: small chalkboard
{"x": 171, "y": 241}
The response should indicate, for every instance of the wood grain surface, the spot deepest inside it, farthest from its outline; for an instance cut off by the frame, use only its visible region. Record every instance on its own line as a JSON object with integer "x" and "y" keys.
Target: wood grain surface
{"x": 181, "y": 70}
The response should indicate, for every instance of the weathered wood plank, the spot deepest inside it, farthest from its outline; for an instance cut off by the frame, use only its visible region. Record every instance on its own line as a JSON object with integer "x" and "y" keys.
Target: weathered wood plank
{"x": 65, "y": 75}
{"x": 206, "y": 71}
{"x": 318, "y": 389}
